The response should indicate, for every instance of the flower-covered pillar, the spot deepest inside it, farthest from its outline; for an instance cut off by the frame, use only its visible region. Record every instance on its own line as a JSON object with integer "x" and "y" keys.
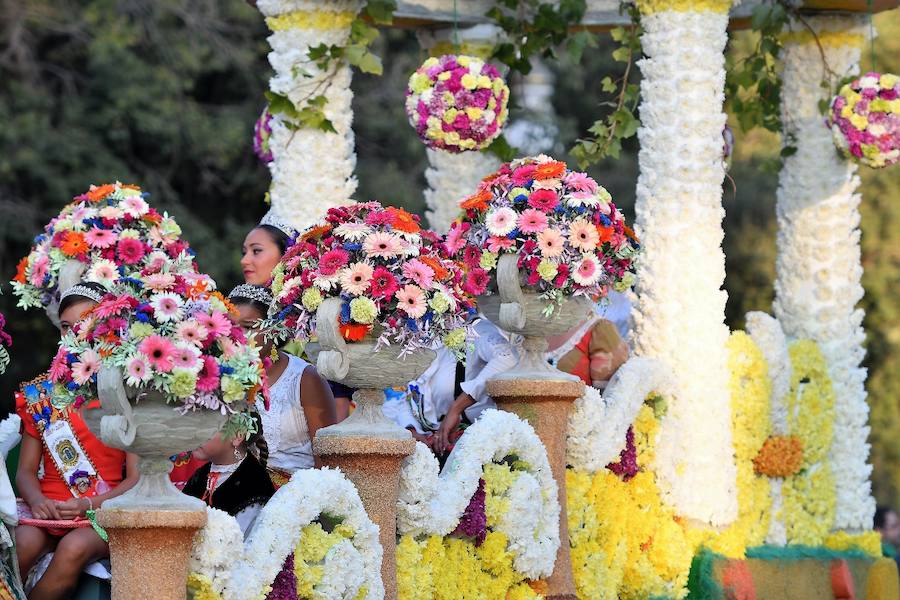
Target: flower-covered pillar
{"x": 312, "y": 169}
{"x": 452, "y": 177}
{"x": 818, "y": 268}
{"x": 680, "y": 311}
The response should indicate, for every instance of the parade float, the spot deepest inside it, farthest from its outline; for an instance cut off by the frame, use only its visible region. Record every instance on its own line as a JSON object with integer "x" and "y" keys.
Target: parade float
{"x": 715, "y": 464}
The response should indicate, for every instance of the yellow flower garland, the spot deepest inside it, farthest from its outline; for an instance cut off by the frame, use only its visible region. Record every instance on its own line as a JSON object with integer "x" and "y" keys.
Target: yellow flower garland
{"x": 868, "y": 542}
{"x": 809, "y": 496}
{"x": 649, "y": 7}
{"x": 827, "y": 39}
{"x": 320, "y": 20}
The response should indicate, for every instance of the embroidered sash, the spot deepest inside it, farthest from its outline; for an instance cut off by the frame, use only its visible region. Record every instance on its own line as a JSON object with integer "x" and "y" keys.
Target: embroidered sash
{"x": 59, "y": 438}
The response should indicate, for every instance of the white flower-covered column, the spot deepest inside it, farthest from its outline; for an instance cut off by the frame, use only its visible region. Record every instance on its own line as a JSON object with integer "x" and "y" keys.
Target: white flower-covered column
{"x": 312, "y": 169}
{"x": 680, "y": 311}
{"x": 452, "y": 177}
{"x": 818, "y": 268}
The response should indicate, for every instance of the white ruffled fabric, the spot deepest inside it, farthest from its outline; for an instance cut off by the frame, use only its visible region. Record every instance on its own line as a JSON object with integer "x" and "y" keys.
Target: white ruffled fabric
{"x": 451, "y": 178}
{"x": 818, "y": 268}
{"x": 680, "y": 311}
{"x": 240, "y": 570}
{"x": 312, "y": 170}
{"x": 432, "y": 504}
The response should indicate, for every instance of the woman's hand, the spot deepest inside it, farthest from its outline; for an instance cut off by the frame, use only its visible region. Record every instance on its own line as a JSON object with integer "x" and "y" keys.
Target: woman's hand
{"x": 46, "y": 509}
{"x": 74, "y": 508}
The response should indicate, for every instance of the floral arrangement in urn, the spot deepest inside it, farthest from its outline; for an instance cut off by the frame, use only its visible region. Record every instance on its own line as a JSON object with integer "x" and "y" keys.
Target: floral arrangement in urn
{"x": 108, "y": 233}
{"x": 865, "y": 120}
{"x": 394, "y": 279}
{"x": 457, "y": 103}
{"x": 167, "y": 332}
{"x": 262, "y": 132}
{"x": 569, "y": 237}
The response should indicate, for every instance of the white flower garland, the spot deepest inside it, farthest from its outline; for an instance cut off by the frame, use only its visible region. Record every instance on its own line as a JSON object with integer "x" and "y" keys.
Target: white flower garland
{"x": 818, "y": 269}
{"x": 598, "y": 424}
{"x": 679, "y": 317}
{"x": 312, "y": 170}
{"x": 243, "y": 570}
{"x": 432, "y": 504}
{"x": 451, "y": 178}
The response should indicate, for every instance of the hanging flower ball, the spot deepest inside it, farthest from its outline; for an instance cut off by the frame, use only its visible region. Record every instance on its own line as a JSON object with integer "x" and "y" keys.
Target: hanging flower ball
{"x": 457, "y": 103}
{"x": 262, "y": 132}
{"x": 865, "y": 120}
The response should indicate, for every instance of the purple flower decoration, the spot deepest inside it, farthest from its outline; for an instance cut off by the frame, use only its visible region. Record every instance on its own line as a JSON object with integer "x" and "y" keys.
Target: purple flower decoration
{"x": 262, "y": 133}
{"x": 285, "y": 585}
{"x": 473, "y": 523}
{"x": 627, "y": 466}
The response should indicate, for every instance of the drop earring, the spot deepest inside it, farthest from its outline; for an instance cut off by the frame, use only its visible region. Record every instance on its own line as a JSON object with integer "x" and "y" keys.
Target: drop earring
{"x": 237, "y": 455}
{"x": 274, "y": 354}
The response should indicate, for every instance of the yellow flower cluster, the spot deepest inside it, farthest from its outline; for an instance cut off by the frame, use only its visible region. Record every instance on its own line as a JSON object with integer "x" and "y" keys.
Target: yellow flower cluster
{"x": 750, "y": 388}
{"x": 200, "y": 587}
{"x": 309, "y": 554}
{"x": 649, "y": 7}
{"x": 625, "y": 542}
{"x": 320, "y": 20}
{"x": 809, "y": 496}
{"x": 481, "y": 50}
{"x": 827, "y": 39}
{"x": 868, "y": 542}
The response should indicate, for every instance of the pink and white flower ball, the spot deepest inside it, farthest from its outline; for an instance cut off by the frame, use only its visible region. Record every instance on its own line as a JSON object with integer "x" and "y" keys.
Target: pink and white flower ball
{"x": 865, "y": 120}
{"x": 457, "y": 103}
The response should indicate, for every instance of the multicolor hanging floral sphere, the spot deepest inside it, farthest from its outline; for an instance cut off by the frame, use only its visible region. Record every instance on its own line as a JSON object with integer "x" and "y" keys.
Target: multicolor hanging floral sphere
{"x": 394, "y": 278}
{"x": 865, "y": 120}
{"x": 262, "y": 133}
{"x": 570, "y": 238}
{"x": 457, "y": 103}
{"x": 112, "y": 232}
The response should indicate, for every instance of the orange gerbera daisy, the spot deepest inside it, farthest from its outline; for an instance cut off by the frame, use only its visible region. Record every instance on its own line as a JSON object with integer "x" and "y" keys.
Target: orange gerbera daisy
{"x": 403, "y": 221}
{"x": 630, "y": 233}
{"x": 98, "y": 193}
{"x": 20, "y": 270}
{"x": 550, "y": 170}
{"x": 197, "y": 290}
{"x": 74, "y": 244}
{"x": 316, "y": 232}
{"x": 440, "y": 272}
{"x": 153, "y": 217}
{"x": 605, "y": 233}
{"x": 229, "y": 305}
{"x": 353, "y": 332}
{"x": 477, "y": 201}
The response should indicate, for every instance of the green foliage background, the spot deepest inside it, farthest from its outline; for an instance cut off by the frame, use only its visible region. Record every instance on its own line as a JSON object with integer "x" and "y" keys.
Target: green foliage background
{"x": 164, "y": 93}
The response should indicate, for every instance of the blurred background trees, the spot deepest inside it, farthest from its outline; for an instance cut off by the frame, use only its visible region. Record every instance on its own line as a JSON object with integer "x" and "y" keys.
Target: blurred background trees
{"x": 164, "y": 93}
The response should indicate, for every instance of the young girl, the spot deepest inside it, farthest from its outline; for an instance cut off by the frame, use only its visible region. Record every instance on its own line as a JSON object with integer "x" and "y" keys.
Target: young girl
{"x": 234, "y": 480}
{"x": 593, "y": 350}
{"x": 300, "y": 400}
{"x": 80, "y": 473}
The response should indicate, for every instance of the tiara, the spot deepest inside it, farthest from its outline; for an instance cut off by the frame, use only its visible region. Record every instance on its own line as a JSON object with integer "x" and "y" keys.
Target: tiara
{"x": 256, "y": 293}
{"x": 272, "y": 220}
{"x": 83, "y": 291}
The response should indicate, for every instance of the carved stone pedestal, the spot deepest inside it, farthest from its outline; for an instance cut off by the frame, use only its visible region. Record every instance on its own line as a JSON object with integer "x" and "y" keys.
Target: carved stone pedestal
{"x": 150, "y": 551}
{"x": 546, "y": 405}
{"x": 369, "y": 450}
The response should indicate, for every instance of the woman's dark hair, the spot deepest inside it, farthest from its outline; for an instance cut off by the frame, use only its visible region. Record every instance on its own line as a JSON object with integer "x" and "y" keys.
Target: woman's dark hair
{"x": 257, "y": 442}
{"x": 240, "y": 300}
{"x": 68, "y": 301}
{"x": 278, "y": 237}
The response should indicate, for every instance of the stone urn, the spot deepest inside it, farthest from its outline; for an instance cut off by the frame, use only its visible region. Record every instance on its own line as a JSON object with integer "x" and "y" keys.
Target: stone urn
{"x": 523, "y": 312}
{"x": 367, "y": 447}
{"x": 151, "y": 527}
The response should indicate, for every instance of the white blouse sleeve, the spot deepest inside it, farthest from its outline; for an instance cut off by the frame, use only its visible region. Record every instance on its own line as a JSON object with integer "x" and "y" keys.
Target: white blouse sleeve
{"x": 498, "y": 356}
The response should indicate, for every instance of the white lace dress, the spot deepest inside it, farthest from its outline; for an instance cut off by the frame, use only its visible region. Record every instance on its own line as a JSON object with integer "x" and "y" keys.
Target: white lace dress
{"x": 284, "y": 424}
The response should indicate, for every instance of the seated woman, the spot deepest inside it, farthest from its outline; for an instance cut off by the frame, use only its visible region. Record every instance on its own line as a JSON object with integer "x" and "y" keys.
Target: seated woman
{"x": 301, "y": 401}
{"x": 235, "y": 478}
{"x": 79, "y": 473}
{"x": 449, "y": 394}
{"x": 593, "y": 350}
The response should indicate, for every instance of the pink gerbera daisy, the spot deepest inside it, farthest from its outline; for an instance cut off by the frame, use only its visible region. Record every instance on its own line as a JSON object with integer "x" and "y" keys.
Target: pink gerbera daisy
{"x": 419, "y": 273}
{"x": 532, "y": 221}
{"x": 216, "y": 323}
{"x": 134, "y": 206}
{"x": 208, "y": 380}
{"x": 100, "y": 238}
{"x": 544, "y": 200}
{"x": 130, "y": 251}
{"x": 455, "y": 237}
{"x": 112, "y": 306}
{"x": 587, "y": 271}
{"x": 383, "y": 284}
{"x": 476, "y": 282}
{"x": 185, "y": 357}
{"x": 411, "y": 300}
{"x": 191, "y": 332}
{"x": 355, "y": 279}
{"x": 333, "y": 260}
{"x": 501, "y": 221}
{"x": 158, "y": 351}
{"x": 159, "y": 282}
{"x": 138, "y": 371}
{"x": 583, "y": 235}
{"x": 167, "y": 307}
{"x": 382, "y": 244}
{"x": 496, "y": 243}
{"x": 88, "y": 364}
{"x": 551, "y": 243}
{"x": 59, "y": 368}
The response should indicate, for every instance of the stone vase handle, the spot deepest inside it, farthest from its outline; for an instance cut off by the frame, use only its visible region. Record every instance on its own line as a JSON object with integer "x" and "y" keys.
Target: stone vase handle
{"x": 333, "y": 362}
{"x": 512, "y": 298}
{"x": 69, "y": 274}
{"x": 117, "y": 430}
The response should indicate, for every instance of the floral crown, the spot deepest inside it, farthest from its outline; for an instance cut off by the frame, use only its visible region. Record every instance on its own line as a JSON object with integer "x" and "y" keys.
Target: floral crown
{"x": 83, "y": 291}
{"x": 256, "y": 293}
{"x": 273, "y": 220}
